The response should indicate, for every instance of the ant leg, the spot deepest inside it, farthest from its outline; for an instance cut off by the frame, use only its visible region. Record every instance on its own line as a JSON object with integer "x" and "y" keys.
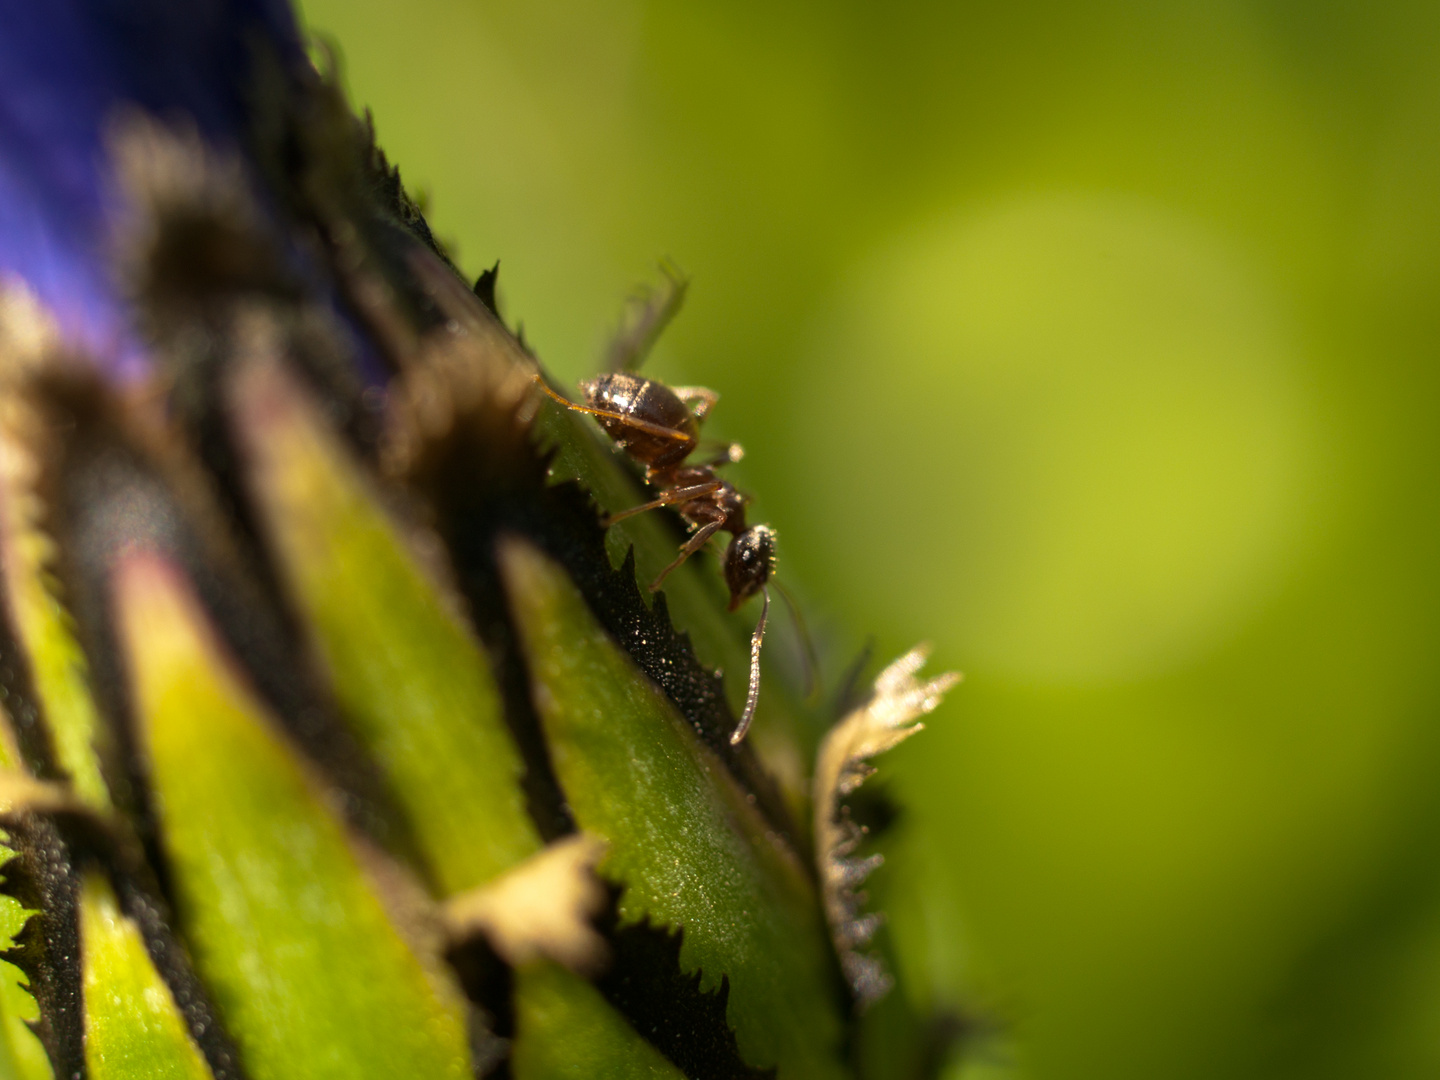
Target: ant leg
{"x": 667, "y": 498}
{"x": 700, "y": 399}
{"x": 646, "y": 317}
{"x": 694, "y": 544}
{"x": 629, "y": 421}
{"x": 539, "y": 380}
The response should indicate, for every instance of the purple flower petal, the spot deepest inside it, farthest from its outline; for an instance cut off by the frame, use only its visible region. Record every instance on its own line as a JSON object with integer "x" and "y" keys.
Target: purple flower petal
{"x": 66, "y": 68}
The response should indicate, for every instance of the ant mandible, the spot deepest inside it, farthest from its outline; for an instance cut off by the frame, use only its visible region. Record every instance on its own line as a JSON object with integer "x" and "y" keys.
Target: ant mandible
{"x": 659, "y": 427}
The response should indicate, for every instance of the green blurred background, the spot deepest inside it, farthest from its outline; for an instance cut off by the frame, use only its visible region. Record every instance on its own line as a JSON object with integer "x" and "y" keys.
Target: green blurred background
{"x": 1096, "y": 343}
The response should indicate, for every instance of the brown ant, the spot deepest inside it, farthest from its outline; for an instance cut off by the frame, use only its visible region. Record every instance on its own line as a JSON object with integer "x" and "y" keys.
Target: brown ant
{"x": 659, "y": 427}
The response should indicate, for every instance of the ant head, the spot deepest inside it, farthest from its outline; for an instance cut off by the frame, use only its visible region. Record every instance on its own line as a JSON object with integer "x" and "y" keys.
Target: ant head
{"x": 749, "y": 562}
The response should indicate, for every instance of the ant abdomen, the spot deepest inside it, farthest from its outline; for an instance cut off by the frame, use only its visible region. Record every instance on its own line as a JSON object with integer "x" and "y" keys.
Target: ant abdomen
{"x": 645, "y": 417}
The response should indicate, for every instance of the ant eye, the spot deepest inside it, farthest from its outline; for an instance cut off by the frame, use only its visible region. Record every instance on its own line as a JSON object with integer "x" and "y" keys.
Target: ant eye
{"x": 749, "y": 562}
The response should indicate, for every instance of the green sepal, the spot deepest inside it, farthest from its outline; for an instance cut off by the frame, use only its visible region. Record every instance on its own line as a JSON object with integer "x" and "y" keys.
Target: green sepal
{"x": 564, "y": 1030}
{"x": 684, "y": 842}
{"x": 307, "y": 971}
{"x": 133, "y": 1027}
{"x": 21, "y": 1054}
{"x": 57, "y": 666}
{"x": 411, "y": 680}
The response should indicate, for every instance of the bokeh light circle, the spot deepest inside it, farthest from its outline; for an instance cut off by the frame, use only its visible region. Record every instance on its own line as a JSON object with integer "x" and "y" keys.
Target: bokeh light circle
{"x": 1102, "y": 438}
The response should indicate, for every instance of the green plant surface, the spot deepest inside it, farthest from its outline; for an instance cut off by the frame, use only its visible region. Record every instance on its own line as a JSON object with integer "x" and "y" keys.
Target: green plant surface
{"x": 411, "y": 679}
{"x": 688, "y": 848}
{"x": 276, "y": 909}
{"x": 57, "y": 664}
{"x": 132, "y": 1025}
{"x": 564, "y": 1030}
{"x": 21, "y": 1055}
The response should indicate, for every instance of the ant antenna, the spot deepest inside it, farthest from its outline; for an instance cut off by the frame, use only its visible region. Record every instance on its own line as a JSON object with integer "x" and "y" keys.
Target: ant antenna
{"x": 754, "y": 695}
{"x": 810, "y": 662}
{"x": 850, "y": 695}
